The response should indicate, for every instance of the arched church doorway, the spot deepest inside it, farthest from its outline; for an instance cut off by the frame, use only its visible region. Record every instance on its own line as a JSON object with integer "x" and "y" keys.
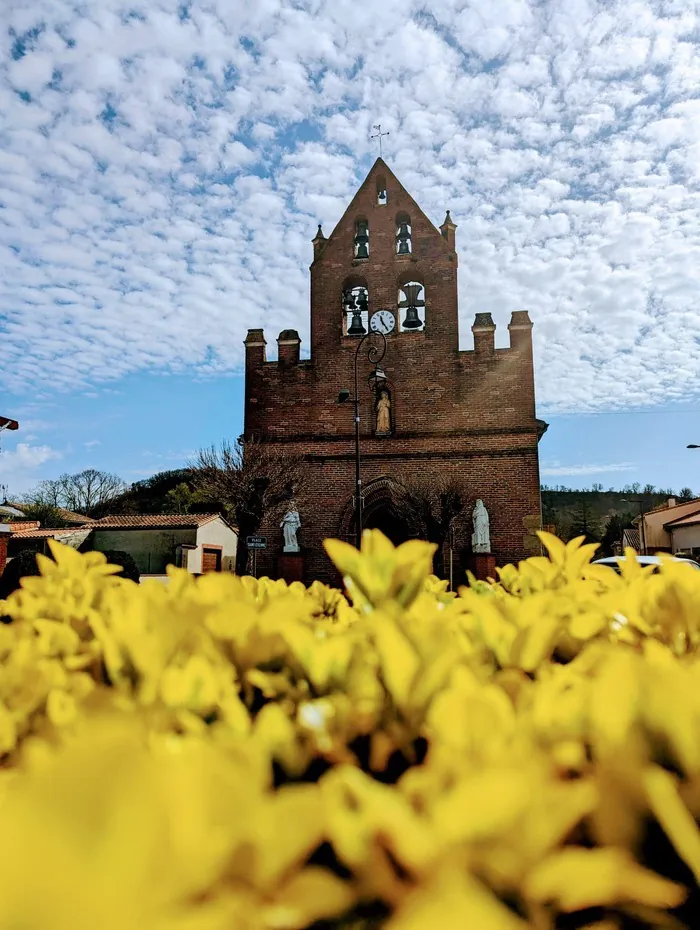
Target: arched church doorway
{"x": 386, "y": 506}
{"x": 394, "y": 525}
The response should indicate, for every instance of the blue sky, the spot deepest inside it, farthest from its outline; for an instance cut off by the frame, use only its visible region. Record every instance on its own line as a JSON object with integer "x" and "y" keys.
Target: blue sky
{"x": 163, "y": 167}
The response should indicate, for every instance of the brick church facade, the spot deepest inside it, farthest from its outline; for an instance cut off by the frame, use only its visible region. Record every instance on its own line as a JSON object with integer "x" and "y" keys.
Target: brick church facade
{"x": 465, "y": 416}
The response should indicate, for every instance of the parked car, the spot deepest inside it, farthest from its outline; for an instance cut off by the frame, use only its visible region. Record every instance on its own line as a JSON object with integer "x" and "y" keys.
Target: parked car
{"x": 614, "y": 561}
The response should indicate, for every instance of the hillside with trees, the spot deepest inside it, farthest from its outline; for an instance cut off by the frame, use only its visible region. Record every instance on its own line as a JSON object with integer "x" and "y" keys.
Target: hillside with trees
{"x": 599, "y": 514}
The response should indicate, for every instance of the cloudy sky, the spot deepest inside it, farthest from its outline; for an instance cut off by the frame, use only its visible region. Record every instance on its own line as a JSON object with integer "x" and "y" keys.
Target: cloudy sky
{"x": 163, "y": 167}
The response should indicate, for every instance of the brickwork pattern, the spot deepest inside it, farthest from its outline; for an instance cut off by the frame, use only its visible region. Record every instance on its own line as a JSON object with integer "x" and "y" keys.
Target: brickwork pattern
{"x": 468, "y": 414}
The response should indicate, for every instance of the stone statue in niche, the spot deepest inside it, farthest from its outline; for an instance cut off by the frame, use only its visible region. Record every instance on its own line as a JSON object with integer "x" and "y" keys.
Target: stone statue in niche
{"x": 384, "y": 413}
{"x": 290, "y": 525}
{"x": 481, "y": 539}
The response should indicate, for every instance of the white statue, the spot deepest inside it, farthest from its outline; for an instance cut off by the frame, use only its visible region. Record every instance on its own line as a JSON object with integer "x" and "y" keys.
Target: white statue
{"x": 481, "y": 539}
{"x": 290, "y": 524}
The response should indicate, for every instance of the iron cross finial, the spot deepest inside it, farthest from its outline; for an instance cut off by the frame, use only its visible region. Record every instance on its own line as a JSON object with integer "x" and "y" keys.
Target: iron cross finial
{"x": 379, "y": 135}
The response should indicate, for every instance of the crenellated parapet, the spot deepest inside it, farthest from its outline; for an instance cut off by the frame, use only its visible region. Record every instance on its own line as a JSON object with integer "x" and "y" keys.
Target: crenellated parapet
{"x": 484, "y": 332}
{"x": 255, "y": 354}
{"x": 288, "y": 344}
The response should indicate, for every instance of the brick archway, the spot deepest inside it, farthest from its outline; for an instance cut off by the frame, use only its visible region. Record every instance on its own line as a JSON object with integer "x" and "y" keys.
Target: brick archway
{"x": 386, "y": 505}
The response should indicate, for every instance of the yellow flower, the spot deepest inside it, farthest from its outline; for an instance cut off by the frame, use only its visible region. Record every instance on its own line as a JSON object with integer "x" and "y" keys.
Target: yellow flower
{"x": 379, "y": 572}
{"x": 575, "y": 879}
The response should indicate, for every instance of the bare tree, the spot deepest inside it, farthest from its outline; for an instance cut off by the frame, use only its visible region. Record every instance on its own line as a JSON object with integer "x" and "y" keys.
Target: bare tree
{"x": 45, "y": 494}
{"x": 85, "y": 492}
{"x": 249, "y": 480}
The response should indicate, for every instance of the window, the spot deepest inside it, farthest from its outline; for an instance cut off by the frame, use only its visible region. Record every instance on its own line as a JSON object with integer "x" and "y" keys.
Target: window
{"x": 381, "y": 192}
{"x": 355, "y": 310}
{"x": 362, "y": 239}
{"x": 403, "y": 234}
{"x": 411, "y": 306}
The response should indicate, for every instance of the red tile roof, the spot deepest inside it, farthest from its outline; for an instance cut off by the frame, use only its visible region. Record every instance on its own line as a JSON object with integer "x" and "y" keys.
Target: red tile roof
{"x": 72, "y": 517}
{"x": 631, "y": 538}
{"x": 19, "y": 525}
{"x": 45, "y": 533}
{"x": 154, "y": 521}
{"x": 150, "y": 521}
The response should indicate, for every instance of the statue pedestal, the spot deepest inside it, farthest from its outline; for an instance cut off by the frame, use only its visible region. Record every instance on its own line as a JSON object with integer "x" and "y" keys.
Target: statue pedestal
{"x": 290, "y": 566}
{"x": 482, "y": 565}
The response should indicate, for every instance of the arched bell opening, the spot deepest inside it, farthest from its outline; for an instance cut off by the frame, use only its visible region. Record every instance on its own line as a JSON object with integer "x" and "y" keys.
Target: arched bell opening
{"x": 361, "y": 241}
{"x": 404, "y": 244}
{"x": 411, "y": 307}
{"x": 355, "y": 303}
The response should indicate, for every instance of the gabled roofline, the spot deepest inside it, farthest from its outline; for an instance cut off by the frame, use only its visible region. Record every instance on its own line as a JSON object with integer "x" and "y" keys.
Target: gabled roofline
{"x": 381, "y": 164}
{"x": 686, "y": 516}
{"x": 189, "y": 521}
{"x": 661, "y": 507}
{"x": 219, "y": 516}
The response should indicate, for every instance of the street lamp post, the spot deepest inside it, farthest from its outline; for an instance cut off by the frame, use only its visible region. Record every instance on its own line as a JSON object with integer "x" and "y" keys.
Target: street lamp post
{"x": 7, "y": 423}
{"x": 640, "y": 501}
{"x": 375, "y": 353}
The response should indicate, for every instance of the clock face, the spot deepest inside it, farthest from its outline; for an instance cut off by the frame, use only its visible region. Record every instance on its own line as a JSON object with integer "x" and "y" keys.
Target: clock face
{"x": 382, "y": 321}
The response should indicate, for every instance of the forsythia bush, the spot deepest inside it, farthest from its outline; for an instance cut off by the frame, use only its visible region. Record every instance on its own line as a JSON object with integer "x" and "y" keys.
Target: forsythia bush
{"x": 233, "y": 754}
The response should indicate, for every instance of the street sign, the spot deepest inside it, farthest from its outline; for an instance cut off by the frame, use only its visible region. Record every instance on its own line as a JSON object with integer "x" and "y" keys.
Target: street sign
{"x": 256, "y": 542}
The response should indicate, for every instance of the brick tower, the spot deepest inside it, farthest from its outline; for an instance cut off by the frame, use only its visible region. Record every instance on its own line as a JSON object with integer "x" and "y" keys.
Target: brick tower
{"x": 468, "y": 416}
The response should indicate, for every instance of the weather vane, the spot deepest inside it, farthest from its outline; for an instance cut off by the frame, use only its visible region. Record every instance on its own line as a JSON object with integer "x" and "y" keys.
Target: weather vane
{"x": 379, "y": 134}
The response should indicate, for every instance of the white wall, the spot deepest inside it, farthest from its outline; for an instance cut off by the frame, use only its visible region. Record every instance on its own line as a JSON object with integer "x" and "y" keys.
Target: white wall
{"x": 215, "y": 533}
{"x": 151, "y": 549}
{"x": 686, "y": 537}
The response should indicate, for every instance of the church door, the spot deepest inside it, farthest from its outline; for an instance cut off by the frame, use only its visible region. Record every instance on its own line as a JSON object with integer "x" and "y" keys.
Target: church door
{"x": 394, "y": 526}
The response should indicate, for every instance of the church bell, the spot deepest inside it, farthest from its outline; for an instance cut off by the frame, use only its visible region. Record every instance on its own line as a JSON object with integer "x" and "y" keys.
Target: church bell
{"x": 356, "y": 327}
{"x": 412, "y": 320}
{"x": 355, "y": 305}
{"x": 362, "y": 241}
{"x": 412, "y": 303}
{"x": 403, "y": 237}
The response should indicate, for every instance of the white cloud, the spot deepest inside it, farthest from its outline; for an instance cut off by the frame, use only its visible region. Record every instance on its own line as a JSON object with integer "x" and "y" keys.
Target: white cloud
{"x": 573, "y": 470}
{"x": 18, "y": 466}
{"x": 161, "y": 176}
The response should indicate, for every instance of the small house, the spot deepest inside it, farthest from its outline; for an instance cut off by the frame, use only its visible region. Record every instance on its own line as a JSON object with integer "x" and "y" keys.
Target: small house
{"x": 200, "y": 542}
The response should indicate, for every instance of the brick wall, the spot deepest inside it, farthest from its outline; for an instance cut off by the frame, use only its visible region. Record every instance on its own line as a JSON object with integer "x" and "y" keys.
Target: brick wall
{"x": 469, "y": 415}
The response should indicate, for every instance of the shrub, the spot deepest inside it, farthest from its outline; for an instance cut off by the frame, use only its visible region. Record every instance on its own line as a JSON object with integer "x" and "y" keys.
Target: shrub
{"x": 22, "y": 565}
{"x": 129, "y": 567}
{"x": 525, "y": 753}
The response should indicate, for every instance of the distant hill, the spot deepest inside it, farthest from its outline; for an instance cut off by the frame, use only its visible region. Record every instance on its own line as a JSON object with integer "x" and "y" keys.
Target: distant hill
{"x": 597, "y": 514}
{"x": 164, "y": 492}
